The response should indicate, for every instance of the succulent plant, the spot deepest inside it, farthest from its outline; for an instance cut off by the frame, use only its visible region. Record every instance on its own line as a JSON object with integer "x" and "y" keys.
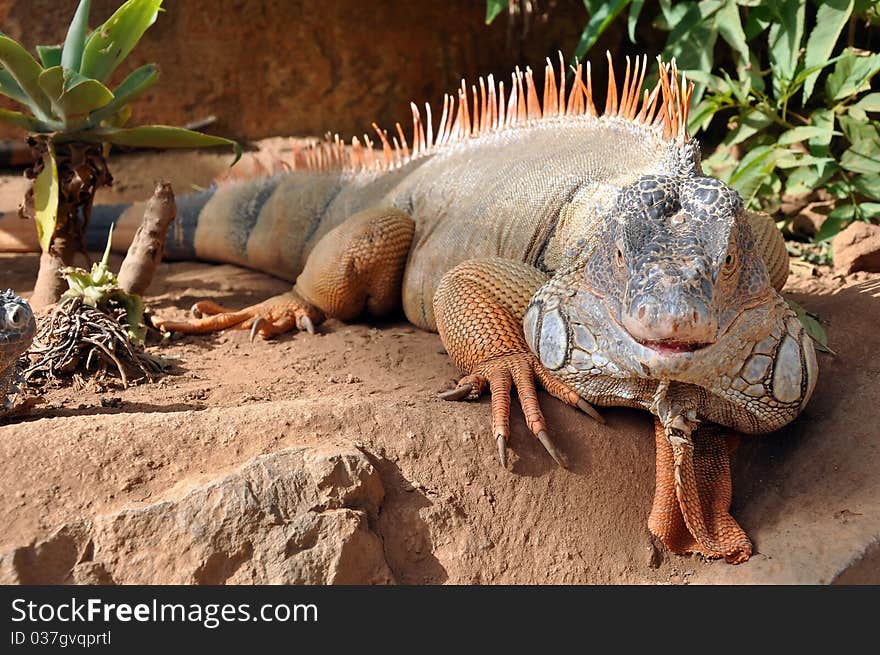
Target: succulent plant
{"x": 72, "y": 118}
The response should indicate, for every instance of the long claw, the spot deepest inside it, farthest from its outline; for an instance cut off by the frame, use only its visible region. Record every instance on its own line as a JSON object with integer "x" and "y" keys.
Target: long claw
{"x": 587, "y": 408}
{"x": 256, "y": 326}
{"x": 305, "y": 323}
{"x": 459, "y": 393}
{"x": 502, "y": 449}
{"x": 544, "y": 438}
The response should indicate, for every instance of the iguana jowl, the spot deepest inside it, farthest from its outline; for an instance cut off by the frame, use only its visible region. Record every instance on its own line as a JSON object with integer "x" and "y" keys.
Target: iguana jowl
{"x": 541, "y": 240}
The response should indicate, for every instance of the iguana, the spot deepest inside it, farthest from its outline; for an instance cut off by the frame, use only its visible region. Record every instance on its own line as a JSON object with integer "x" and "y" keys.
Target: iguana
{"x": 17, "y": 328}
{"x": 542, "y": 240}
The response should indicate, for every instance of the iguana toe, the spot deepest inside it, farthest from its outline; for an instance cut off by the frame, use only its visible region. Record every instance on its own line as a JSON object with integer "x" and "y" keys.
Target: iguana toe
{"x": 268, "y": 319}
{"x": 458, "y": 393}
{"x": 499, "y": 376}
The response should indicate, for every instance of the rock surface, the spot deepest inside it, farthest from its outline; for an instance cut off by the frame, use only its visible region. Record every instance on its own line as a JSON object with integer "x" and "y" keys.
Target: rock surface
{"x": 230, "y": 470}
{"x": 268, "y": 461}
{"x": 297, "y": 516}
{"x": 857, "y": 248}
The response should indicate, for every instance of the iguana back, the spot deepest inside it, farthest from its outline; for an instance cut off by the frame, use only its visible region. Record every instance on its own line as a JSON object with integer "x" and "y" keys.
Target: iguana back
{"x": 543, "y": 242}
{"x": 518, "y": 182}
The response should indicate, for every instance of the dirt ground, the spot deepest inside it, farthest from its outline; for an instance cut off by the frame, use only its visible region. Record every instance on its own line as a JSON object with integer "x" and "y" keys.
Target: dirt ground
{"x": 809, "y": 495}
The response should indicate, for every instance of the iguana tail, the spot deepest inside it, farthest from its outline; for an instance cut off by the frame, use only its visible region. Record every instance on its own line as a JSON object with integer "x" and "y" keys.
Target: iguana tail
{"x": 180, "y": 242}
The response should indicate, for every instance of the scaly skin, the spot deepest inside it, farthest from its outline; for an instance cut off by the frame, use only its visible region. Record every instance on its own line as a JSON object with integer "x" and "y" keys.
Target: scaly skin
{"x": 671, "y": 309}
{"x": 17, "y": 328}
{"x": 544, "y": 242}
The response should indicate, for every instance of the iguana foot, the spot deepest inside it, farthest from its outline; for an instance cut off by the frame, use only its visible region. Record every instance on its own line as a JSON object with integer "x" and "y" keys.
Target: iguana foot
{"x": 279, "y": 314}
{"x": 499, "y": 375}
{"x": 693, "y": 493}
{"x": 479, "y": 306}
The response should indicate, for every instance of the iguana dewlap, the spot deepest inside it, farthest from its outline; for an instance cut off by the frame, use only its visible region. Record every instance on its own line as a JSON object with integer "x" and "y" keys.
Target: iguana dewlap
{"x": 542, "y": 241}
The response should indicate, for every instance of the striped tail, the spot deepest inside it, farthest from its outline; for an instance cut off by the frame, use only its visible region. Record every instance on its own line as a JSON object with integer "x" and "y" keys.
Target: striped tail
{"x": 180, "y": 241}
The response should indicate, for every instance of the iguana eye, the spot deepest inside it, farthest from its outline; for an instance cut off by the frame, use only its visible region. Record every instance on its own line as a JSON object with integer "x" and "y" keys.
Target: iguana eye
{"x": 729, "y": 263}
{"x": 16, "y": 316}
{"x": 619, "y": 257}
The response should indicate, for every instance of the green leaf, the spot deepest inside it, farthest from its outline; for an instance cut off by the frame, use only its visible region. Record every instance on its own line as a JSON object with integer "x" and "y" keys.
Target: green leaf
{"x": 805, "y": 179}
{"x": 730, "y": 28}
{"x": 50, "y": 55}
{"x": 752, "y": 171}
{"x": 493, "y": 8}
{"x": 693, "y": 37}
{"x": 851, "y": 74}
{"x": 712, "y": 82}
{"x": 857, "y": 113}
{"x": 859, "y": 130}
{"x": 868, "y": 185}
{"x": 46, "y": 199}
{"x": 134, "y": 314}
{"x": 863, "y": 157}
{"x": 839, "y": 218}
{"x": 870, "y": 102}
{"x": 739, "y": 88}
{"x": 83, "y": 98}
{"x": 120, "y": 118}
{"x": 749, "y": 124}
{"x": 9, "y": 87}
{"x": 794, "y": 158}
{"x": 132, "y": 86}
{"x": 701, "y": 115}
{"x": 820, "y": 144}
{"x": 72, "y": 53}
{"x": 599, "y": 21}
{"x": 21, "y": 120}
{"x": 811, "y": 326}
{"x": 51, "y": 83}
{"x": 868, "y": 210}
{"x": 154, "y": 136}
{"x": 804, "y": 133}
{"x": 786, "y": 34}
{"x": 831, "y": 16}
{"x": 757, "y": 20}
{"x": 635, "y": 8}
{"x": 112, "y": 42}
{"x": 26, "y": 72}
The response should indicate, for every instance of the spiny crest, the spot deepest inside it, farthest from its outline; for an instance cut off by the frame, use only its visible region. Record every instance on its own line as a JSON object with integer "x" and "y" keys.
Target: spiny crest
{"x": 494, "y": 108}
{"x": 9, "y": 296}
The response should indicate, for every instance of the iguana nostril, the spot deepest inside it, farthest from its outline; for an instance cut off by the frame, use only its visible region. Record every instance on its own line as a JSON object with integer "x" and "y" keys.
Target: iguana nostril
{"x": 696, "y": 316}
{"x": 642, "y": 313}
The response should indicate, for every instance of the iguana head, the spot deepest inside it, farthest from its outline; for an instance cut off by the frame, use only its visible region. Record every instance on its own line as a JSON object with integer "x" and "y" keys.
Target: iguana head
{"x": 672, "y": 288}
{"x": 17, "y": 328}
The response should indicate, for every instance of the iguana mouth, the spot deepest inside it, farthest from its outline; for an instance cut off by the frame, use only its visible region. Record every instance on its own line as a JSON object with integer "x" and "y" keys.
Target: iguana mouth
{"x": 670, "y": 347}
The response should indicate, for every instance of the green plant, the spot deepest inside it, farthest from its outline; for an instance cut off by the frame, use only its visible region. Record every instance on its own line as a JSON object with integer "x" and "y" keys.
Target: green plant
{"x": 73, "y": 118}
{"x": 799, "y": 112}
{"x": 99, "y": 288}
{"x": 802, "y": 119}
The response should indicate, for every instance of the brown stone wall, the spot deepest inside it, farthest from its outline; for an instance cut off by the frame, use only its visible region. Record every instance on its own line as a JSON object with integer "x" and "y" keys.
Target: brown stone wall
{"x": 303, "y": 67}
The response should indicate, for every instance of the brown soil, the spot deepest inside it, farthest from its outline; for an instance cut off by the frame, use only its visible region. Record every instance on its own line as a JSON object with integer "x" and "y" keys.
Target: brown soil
{"x": 809, "y": 495}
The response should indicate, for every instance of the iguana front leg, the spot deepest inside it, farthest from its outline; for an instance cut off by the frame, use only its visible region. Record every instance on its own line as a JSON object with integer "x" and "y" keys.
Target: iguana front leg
{"x": 355, "y": 268}
{"x": 691, "y": 510}
{"x": 479, "y": 307}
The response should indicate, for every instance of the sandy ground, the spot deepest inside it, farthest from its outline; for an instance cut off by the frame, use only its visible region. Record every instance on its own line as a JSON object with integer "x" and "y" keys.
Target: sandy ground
{"x": 808, "y": 495}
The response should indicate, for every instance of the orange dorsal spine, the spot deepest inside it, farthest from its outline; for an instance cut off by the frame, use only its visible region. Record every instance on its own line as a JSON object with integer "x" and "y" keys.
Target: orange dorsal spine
{"x": 489, "y": 111}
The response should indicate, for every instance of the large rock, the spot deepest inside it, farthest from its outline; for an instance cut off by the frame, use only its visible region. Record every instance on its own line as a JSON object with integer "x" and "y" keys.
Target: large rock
{"x": 297, "y": 516}
{"x": 226, "y": 472}
{"x": 857, "y": 248}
